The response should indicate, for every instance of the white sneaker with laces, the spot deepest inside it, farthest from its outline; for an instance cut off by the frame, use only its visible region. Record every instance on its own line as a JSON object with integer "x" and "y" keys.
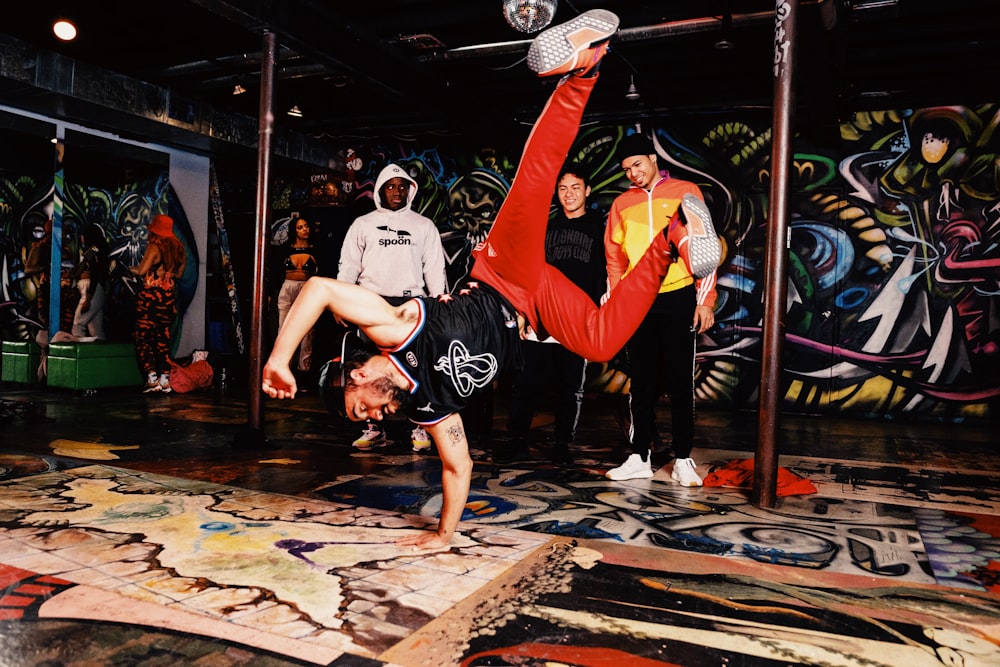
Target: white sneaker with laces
{"x": 633, "y": 468}
{"x": 574, "y": 46}
{"x": 684, "y": 474}
{"x": 165, "y": 383}
{"x": 704, "y": 250}
{"x": 372, "y": 436}
{"x": 152, "y": 384}
{"x": 420, "y": 440}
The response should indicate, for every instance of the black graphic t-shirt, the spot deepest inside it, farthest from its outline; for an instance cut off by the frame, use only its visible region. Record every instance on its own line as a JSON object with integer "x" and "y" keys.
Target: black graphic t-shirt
{"x": 576, "y": 247}
{"x": 458, "y": 346}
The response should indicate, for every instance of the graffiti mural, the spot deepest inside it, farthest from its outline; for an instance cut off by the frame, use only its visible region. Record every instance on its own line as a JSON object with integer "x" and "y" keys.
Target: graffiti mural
{"x": 894, "y": 263}
{"x": 916, "y": 327}
{"x": 23, "y": 221}
{"x": 894, "y": 252}
{"x": 122, "y": 212}
{"x": 894, "y": 248}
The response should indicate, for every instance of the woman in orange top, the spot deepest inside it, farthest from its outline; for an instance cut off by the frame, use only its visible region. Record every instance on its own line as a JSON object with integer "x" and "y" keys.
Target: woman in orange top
{"x": 162, "y": 266}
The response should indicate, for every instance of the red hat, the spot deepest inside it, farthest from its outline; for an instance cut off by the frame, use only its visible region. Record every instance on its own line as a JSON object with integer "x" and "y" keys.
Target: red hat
{"x": 162, "y": 225}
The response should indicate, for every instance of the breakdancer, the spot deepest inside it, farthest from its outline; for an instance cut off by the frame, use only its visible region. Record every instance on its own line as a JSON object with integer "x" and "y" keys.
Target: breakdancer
{"x": 428, "y": 355}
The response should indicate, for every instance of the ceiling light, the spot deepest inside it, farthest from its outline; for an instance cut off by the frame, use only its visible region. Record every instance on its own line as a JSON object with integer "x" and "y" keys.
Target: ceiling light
{"x": 295, "y": 111}
{"x": 529, "y": 15}
{"x": 238, "y": 89}
{"x": 631, "y": 94}
{"x": 64, "y": 30}
{"x": 725, "y": 44}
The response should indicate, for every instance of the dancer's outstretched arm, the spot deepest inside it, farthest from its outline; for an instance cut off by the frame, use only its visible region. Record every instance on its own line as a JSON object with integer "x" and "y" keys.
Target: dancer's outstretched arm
{"x": 385, "y": 325}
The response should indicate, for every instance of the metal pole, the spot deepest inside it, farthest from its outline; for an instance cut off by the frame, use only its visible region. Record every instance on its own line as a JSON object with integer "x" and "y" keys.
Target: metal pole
{"x": 265, "y": 124}
{"x": 765, "y": 470}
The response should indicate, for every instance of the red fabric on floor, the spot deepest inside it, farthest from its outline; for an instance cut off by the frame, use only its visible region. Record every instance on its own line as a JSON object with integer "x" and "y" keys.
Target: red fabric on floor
{"x": 738, "y": 474}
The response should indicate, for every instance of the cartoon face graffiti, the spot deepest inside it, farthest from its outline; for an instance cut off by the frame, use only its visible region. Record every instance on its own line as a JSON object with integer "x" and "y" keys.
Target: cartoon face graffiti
{"x": 473, "y": 201}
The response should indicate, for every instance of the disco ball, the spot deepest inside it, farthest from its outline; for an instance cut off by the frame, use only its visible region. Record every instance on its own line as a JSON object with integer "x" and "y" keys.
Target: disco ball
{"x": 529, "y": 15}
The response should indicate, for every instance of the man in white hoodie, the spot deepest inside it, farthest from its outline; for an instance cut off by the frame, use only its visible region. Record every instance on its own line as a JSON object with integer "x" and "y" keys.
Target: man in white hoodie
{"x": 397, "y": 253}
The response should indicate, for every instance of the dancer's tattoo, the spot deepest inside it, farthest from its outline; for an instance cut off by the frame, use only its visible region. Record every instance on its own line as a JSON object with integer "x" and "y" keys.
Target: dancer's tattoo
{"x": 456, "y": 434}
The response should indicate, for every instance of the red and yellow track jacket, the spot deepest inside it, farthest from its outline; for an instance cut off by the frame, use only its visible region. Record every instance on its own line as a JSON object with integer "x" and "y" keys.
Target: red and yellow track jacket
{"x": 635, "y": 218}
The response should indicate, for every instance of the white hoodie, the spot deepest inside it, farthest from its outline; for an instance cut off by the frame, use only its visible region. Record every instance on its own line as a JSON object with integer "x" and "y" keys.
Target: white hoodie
{"x": 394, "y": 253}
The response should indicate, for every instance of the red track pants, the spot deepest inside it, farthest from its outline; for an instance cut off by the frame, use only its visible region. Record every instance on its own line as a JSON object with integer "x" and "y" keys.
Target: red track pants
{"x": 512, "y": 259}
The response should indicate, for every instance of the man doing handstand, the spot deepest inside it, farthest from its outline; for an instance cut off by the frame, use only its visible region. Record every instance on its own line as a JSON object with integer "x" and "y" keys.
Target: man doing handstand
{"x": 431, "y": 353}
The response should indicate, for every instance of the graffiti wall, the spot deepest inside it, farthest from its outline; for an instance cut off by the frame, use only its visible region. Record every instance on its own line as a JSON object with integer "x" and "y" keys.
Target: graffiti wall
{"x": 122, "y": 211}
{"x": 892, "y": 292}
{"x": 894, "y": 252}
{"x": 894, "y": 247}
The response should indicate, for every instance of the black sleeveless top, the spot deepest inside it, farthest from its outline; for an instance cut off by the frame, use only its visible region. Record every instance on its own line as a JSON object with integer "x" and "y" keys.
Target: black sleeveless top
{"x": 458, "y": 346}
{"x": 310, "y": 266}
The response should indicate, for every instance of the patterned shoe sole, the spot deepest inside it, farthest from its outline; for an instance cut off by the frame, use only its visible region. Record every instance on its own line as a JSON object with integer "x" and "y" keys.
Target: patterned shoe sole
{"x": 378, "y": 444}
{"x": 704, "y": 249}
{"x": 560, "y": 45}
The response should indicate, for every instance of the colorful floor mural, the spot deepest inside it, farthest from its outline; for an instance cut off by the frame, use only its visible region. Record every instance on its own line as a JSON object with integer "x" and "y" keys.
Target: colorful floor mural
{"x": 147, "y": 533}
{"x": 326, "y": 576}
{"x": 850, "y": 527}
{"x": 576, "y": 603}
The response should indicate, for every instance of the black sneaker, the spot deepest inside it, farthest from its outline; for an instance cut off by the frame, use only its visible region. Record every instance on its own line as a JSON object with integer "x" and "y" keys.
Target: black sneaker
{"x": 561, "y": 455}
{"x": 516, "y": 450}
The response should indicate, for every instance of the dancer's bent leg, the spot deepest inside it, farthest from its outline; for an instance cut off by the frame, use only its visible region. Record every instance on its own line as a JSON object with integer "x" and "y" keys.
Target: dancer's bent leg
{"x": 513, "y": 255}
{"x": 596, "y": 333}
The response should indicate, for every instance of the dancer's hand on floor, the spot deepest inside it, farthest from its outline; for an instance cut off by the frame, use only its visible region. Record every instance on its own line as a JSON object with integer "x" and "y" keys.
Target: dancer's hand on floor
{"x": 423, "y": 540}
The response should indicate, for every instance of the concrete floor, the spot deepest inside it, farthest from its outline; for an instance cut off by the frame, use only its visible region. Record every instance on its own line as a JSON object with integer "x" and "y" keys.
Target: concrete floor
{"x": 158, "y": 530}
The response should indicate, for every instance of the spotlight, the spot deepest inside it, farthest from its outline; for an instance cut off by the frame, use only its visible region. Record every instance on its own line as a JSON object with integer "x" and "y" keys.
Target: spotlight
{"x": 64, "y": 30}
{"x": 295, "y": 111}
{"x": 529, "y": 15}
{"x": 238, "y": 89}
{"x": 631, "y": 94}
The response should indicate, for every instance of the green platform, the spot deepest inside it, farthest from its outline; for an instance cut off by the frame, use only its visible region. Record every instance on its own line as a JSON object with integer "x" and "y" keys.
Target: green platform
{"x": 93, "y": 365}
{"x": 20, "y": 361}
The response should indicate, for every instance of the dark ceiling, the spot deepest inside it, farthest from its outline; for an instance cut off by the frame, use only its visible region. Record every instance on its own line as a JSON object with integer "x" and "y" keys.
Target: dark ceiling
{"x": 412, "y": 67}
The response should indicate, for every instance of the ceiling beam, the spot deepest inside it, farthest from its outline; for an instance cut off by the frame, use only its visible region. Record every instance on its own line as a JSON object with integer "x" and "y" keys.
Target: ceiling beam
{"x": 49, "y": 84}
{"x": 318, "y": 32}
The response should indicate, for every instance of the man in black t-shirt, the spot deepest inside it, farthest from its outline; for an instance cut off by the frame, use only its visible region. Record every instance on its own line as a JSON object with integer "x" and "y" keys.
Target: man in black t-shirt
{"x": 574, "y": 244}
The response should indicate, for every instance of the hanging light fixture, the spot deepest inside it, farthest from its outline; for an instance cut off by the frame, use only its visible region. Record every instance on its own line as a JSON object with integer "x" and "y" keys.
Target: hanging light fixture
{"x": 238, "y": 89}
{"x": 295, "y": 111}
{"x": 632, "y": 94}
{"x": 529, "y": 15}
{"x": 725, "y": 43}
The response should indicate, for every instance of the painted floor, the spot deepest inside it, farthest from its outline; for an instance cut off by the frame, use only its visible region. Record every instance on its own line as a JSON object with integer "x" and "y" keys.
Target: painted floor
{"x": 159, "y": 530}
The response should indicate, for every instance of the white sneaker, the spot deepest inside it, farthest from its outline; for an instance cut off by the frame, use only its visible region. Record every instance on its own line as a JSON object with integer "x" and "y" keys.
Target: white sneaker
{"x": 684, "y": 474}
{"x": 372, "y": 436}
{"x": 165, "y": 383}
{"x": 420, "y": 440}
{"x": 574, "y": 46}
{"x": 633, "y": 468}
{"x": 152, "y": 384}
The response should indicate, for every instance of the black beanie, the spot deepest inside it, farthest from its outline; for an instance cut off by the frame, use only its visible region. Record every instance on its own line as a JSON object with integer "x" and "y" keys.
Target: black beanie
{"x": 634, "y": 144}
